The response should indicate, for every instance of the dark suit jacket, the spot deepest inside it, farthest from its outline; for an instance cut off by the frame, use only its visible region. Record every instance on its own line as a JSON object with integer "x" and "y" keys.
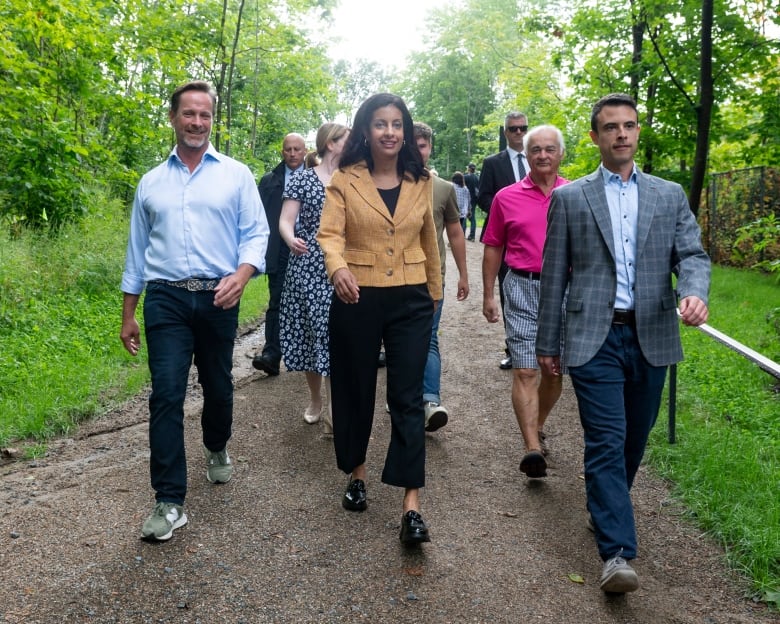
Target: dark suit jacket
{"x": 472, "y": 184}
{"x": 271, "y": 188}
{"x": 496, "y": 173}
{"x": 579, "y": 254}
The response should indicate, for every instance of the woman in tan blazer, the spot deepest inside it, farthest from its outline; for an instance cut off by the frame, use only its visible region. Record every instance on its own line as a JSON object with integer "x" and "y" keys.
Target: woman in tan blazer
{"x": 379, "y": 240}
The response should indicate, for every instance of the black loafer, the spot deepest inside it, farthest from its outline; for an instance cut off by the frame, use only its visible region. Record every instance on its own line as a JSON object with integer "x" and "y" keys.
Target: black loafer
{"x": 505, "y": 364}
{"x": 265, "y": 364}
{"x": 355, "y": 497}
{"x": 413, "y": 529}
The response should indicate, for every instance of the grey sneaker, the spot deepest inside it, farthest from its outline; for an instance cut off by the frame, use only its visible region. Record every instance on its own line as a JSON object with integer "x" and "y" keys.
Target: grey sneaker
{"x": 165, "y": 519}
{"x": 219, "y": 468}
{"x": 436, "y": 416}
{"x": 618, "y": 577}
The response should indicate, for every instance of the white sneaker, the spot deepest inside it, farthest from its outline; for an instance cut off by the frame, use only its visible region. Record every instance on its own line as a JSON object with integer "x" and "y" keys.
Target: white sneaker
{"x": 618, "y": 577}
{"x": 436, "y": 416}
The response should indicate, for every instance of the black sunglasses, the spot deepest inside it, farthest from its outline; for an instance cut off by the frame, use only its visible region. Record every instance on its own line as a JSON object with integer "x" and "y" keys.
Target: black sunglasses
{"x": 517, "y": 128}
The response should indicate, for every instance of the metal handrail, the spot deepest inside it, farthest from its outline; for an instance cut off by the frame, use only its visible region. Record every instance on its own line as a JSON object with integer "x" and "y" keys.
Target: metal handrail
{"x": 763, "y": 362}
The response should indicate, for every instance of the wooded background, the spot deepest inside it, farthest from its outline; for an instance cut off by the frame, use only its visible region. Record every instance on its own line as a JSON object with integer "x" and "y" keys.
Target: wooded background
{"x": 85, "y": 84}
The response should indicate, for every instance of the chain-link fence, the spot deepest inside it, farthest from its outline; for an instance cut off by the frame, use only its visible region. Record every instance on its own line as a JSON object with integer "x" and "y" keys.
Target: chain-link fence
{"x": 735, "y": 199}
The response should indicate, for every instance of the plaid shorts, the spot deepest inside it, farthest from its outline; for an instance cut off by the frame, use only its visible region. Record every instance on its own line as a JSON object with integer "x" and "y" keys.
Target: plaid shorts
{"x": 521, "y": 308}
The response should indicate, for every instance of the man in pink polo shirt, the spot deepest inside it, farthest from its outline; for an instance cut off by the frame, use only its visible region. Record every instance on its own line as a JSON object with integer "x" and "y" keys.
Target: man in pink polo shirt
{"x": 518, "y": 224}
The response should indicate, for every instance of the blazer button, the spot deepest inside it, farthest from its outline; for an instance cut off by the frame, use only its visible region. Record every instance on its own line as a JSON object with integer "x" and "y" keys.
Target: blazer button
{"x": 389, "y": 272}
{"x": 389, "y": 252}
{"x": 390, "y": 231}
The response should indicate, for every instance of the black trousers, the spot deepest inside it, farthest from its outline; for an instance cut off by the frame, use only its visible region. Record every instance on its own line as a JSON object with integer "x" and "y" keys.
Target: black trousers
{"x": 401, "y": 317}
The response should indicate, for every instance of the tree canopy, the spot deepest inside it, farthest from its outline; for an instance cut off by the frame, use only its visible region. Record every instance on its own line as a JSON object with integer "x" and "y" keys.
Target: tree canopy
{"x": 86, "y": 83}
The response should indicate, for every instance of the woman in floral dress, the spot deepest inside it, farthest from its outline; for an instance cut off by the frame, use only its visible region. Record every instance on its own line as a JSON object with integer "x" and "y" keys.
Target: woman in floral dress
{"x": 306, "y": 295}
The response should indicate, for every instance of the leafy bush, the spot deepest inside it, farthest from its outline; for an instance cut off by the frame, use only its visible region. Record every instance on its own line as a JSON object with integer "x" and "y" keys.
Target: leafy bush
{"x": 760, "y": 239}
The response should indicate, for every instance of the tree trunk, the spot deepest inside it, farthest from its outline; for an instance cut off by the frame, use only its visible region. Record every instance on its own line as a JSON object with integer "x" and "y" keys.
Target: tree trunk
{"x": 703, "y": 109}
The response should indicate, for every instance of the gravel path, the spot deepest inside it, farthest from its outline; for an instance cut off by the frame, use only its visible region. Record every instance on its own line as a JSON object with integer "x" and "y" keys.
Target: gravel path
{"x": 274, "y": 544}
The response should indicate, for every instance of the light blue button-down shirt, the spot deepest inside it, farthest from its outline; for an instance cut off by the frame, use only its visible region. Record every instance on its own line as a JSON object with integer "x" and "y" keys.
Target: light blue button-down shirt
{"x": 202, "y": 224}
{"x": 623, "y": 201}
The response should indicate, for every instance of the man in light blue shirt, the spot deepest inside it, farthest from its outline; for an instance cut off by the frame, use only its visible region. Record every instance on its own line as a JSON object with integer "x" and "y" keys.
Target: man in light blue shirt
{"x": 198, "y": 233}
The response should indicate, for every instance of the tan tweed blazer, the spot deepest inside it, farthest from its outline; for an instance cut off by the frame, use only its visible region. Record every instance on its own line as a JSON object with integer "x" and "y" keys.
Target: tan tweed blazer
{"x": 358, "y": 233}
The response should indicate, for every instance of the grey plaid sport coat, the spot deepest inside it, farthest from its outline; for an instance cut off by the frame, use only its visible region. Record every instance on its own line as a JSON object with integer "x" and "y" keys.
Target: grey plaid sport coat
{"x": 579, "y": 254}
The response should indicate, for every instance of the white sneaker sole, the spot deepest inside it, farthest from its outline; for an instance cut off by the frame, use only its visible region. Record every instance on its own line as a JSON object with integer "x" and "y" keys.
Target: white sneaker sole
{"x": 620, "y": 582}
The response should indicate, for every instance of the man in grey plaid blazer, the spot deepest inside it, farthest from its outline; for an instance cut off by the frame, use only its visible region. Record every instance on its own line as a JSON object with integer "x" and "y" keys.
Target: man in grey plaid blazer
{"x": 614, "y": 239}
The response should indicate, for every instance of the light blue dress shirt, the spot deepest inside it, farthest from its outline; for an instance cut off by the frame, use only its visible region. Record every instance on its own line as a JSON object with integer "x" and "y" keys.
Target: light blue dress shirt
{"x": 202, "y": 224}
{"x": 623, "y": 200}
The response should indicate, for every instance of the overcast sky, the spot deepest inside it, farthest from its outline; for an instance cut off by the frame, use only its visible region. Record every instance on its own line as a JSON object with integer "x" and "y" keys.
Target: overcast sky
{"x": 377, "y": 30}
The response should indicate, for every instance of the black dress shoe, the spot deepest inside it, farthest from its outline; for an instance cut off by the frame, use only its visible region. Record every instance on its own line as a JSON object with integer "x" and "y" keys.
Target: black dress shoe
{"x": 413, "y": 529}
{"x": 266, "y": 364}
{"x": 534, "y": 465}
{"x": 355, "y": 497}
{"x": 506, "y": 363}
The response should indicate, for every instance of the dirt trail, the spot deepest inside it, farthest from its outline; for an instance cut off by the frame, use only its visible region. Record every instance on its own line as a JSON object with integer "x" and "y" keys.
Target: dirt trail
{"x": 274, "y": 544}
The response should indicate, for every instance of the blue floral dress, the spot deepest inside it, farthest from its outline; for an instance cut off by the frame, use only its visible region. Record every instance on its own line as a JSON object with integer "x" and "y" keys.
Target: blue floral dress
{"x": 306, "y": 294}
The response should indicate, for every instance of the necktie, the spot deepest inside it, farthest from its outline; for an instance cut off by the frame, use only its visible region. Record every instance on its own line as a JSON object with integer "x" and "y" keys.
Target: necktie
{"x": 520, "y": 168}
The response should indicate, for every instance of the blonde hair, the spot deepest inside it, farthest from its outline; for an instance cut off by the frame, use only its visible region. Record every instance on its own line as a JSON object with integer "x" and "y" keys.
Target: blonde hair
{"x": 329, "y": 131}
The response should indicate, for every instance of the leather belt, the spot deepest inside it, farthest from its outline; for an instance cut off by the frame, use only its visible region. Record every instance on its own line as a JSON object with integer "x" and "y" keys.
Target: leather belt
{"x": 193, "y": 285}
{"x": 623, "y": 317}
{"x": 526, "y": 274}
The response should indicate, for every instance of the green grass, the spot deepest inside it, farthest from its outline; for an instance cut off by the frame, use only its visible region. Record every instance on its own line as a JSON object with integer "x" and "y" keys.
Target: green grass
{"x": 725, "y": 466}
{"x": 61, "y": 359}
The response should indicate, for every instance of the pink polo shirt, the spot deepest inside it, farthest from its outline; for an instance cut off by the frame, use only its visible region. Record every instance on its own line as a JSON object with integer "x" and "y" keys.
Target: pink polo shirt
{"x": 518, "y": 222}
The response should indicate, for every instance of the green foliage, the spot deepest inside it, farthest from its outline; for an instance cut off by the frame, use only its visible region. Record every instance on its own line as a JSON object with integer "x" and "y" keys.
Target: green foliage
{"x": 737, "y": 219}
{"x": 86, "y": 86}
{"x": 62, "y": 360}
{"x": 726, "y": 462}
{"x": 762, "y": 237}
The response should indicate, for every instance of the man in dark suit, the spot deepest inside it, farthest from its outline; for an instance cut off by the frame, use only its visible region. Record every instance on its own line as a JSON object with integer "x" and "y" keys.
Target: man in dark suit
{"x": 500, "y": 170}
{"x": 472, "y": 184}
{"x": 271, "y": 189}
{"x": 614, "y": 238}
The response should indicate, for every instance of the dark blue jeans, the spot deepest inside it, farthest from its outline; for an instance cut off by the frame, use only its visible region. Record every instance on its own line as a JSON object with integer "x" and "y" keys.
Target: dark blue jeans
{"x": 181, "y": 326}
{"x": 619, "y": 395}
{"x": 432, "y": 375}
{"x": 473, "y": 222}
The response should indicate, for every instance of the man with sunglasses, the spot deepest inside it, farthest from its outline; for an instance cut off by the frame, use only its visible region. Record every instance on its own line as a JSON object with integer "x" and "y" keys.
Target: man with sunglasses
{"x": 499, "y": 170}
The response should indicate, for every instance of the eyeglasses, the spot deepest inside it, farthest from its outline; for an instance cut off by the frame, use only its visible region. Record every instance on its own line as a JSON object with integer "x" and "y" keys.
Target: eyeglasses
{"x": 517, "y": 128}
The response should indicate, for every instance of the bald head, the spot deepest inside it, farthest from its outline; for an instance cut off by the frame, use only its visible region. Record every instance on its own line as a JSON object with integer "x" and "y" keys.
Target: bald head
{"x": 293, "y": 150}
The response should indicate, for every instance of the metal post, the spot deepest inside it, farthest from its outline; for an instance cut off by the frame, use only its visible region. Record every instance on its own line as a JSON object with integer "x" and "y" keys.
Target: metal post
{"x": 672, "y": 402}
